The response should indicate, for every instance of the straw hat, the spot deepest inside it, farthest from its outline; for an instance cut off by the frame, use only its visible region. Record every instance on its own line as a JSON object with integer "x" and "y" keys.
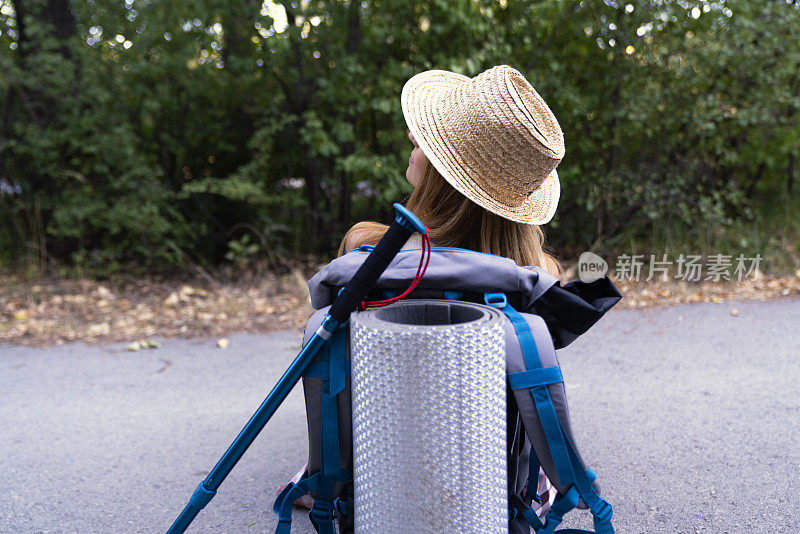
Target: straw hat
{"x": 492, "y": 137}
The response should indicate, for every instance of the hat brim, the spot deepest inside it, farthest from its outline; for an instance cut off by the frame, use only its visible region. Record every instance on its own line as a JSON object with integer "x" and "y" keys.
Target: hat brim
{"x": 422, "y": 100}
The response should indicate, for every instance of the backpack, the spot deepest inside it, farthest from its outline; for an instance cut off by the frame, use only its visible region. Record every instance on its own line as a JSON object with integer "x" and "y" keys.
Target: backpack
{"x": 542, "y": 316}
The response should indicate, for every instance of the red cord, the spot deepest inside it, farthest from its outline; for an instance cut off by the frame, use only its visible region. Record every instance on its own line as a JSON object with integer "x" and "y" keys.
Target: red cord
{"x": 424, "y": 260}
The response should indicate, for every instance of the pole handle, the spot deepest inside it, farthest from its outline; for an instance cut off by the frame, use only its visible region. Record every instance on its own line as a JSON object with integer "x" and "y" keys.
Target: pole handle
{"x": 356, "y": 290}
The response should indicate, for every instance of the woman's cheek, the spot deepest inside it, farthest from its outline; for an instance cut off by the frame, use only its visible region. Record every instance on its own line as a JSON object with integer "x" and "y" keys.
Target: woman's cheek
{"x": 411, "y": 174}
{"x": 419, "y": 161}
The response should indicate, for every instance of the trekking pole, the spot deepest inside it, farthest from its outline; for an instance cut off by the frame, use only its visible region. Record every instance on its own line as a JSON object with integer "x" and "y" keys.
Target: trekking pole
{"x": 404, "y": 224}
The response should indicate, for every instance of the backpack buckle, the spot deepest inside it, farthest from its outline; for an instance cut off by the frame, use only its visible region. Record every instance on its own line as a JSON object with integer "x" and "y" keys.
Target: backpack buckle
{"x": 602, "y": 511}
{"x": 322, "y": 512}
{"x": 495, "y": 300}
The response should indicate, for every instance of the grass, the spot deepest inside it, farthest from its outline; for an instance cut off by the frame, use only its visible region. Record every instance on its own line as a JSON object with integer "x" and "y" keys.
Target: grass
{"x": 773, "y": 234}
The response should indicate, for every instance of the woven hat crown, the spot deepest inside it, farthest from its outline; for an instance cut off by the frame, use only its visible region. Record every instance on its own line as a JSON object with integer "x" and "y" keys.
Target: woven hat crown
{"x": 492, "y": 137}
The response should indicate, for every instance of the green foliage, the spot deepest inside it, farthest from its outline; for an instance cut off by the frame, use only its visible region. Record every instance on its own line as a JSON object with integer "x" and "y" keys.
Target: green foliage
{"x": 240, "y": 250}
{"x": 152, "y": 133}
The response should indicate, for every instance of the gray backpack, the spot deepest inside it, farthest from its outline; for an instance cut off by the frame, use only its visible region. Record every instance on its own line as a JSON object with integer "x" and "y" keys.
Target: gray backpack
{"x": 542, "y": 316}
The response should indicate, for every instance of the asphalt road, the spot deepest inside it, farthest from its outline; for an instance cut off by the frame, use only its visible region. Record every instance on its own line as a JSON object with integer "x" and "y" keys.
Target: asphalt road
{"x": 690, "y": 416}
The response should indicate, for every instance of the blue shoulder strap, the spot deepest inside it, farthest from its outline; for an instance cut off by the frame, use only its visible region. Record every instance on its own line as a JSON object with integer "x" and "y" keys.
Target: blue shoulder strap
{"x": 567, "y": 463}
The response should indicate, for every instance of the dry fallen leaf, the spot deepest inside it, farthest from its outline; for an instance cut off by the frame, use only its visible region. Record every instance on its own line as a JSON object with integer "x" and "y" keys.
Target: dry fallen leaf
{"x": 103, "y": 291}
{"x": 222, "y": 343}
{"x": 734, "y": 312}
{"x": 134, "y": 346}
{"x": 51, "y": 311}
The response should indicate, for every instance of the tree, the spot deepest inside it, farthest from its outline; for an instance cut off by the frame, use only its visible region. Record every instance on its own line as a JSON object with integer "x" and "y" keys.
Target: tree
{"x": 152, "y": 133}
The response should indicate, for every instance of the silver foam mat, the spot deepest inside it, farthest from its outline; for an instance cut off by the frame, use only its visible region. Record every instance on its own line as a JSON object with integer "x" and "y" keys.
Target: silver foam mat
{"x": 429, "y": 418}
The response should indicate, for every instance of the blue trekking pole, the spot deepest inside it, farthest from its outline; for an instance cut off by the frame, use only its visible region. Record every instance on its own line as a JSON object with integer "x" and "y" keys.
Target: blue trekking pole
{"x": 404, "y": 224}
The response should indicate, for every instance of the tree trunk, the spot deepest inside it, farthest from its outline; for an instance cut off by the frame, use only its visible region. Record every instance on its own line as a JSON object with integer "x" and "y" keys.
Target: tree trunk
{"x": 55, "y": 15}
{"x": 238, "y": 29}
{"x": 351, "y": 47}
{"x": 55, "y": 19}
{"x": 313, "y": 193}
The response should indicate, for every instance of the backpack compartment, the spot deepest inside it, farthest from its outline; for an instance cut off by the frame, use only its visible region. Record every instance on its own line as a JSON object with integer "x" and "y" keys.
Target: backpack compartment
{"x": 532, "y": 424}
{"x": 313, "y": 388}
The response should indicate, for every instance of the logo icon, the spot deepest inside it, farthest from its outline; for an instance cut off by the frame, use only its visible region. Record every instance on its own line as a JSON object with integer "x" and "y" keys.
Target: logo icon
{"x": 591, "y": 267}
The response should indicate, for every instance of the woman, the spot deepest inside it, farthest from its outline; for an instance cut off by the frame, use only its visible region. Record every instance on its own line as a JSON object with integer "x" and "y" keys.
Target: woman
{"x": 490, "y": 180}
{"x": 483, "y": 172}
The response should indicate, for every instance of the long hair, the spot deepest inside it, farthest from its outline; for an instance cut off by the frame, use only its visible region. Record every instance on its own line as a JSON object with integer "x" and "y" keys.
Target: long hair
{"x": 455, "y": 221}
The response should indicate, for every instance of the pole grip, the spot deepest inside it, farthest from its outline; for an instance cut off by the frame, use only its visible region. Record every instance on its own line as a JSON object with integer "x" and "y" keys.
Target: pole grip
{"x": 356, "y": 290}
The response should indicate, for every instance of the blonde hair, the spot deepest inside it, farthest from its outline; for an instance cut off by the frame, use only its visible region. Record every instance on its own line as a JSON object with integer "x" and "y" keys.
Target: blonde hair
{"x": 455, "y": 221}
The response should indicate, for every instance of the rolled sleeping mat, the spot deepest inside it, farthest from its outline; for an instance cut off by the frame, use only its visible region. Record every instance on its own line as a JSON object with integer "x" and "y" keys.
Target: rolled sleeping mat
{"x": 429, "y": 418}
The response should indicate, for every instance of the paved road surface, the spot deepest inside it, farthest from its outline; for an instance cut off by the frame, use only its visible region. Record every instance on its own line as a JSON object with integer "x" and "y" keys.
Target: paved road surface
{"x": 690, "y": 416}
